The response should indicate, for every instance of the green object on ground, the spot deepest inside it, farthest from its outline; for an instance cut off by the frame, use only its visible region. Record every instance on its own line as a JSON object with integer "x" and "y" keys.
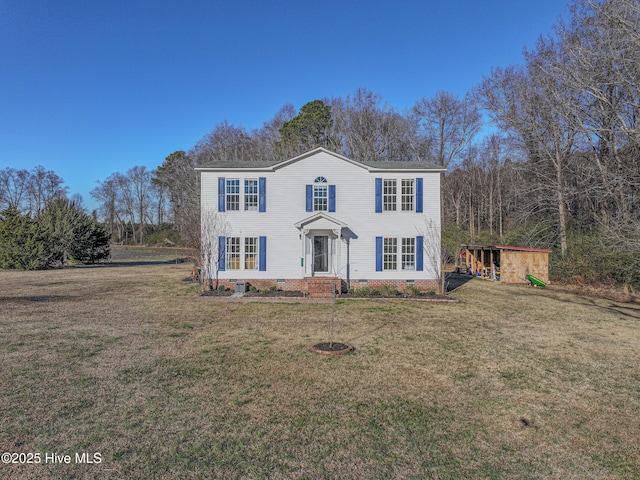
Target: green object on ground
{"x": 536, "y": 282}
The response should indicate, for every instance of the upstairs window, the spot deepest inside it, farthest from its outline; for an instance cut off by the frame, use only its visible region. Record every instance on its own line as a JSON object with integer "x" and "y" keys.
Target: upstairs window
{"x": 407, "y": 193}
{"x": 406, "y": 200}
{"x": 389, "y": 194}
{"x": 232, "y": 194}
{"x": 251, "y": 194}
{"x": 320, "y": 195}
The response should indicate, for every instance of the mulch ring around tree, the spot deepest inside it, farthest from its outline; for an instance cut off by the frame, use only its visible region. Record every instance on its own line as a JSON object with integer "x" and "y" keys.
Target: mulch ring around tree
{"x": 331, "y": 348}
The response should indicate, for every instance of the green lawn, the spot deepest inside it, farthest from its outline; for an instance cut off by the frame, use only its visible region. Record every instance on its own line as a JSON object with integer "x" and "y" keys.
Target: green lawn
{"x": 125, "y": 361}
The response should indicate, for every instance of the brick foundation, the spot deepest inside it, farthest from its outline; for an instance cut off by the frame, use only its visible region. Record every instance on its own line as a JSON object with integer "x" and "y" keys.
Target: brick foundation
{"x": 323, "y": 286}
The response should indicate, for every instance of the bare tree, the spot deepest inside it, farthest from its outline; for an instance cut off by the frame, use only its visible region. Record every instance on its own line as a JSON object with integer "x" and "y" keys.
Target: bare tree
{"x": 30, "y": 191}
{"x": 177, "y": 177}
{"x": 225, "y": 143}
{"x": 106, "y": 193}
{"x": 14, "y": 188}
{"x": 449, "y": 124}
{"x": 214, "y": 226}
{"x": 268, "y": 144}
{"x": 44, "y": 186}
{"x": 140, "y": 191}
{"x": 371, "y": 130}
{"x": 601, "y": 44}
{"x": 435, "y": 257}
{"x": 532, "y": 106}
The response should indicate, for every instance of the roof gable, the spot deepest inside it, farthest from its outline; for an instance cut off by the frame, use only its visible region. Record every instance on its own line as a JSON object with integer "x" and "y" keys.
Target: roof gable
{"x": 320, "y": 220}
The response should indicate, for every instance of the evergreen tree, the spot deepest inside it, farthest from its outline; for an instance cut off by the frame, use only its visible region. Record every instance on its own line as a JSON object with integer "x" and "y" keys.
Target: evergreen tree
{"x": 23, "y": 242}
{"x": 73, "y": 234}
{"x": 310, "y": 129}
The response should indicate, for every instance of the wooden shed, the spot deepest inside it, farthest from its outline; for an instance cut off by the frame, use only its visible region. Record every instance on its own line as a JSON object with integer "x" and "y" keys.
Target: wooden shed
{"x": 505, "y": 263}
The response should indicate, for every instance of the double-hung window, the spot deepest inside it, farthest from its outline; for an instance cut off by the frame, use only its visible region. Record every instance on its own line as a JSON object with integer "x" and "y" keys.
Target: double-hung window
{"x": 242, "y": 253}
{"x": 232, "y": 255}
{"x": 251, "y": 253}
{"x": 232, "y": 194}
{"x": 408, "y": 253}
{"x": 409, "y": 256}
{"x": 251, "y": 194}
{"x": 390, "y": 254}
{"x": 406, "y": 199}
{"x": 389, "y": 194}
{"x": 404, "y": 194}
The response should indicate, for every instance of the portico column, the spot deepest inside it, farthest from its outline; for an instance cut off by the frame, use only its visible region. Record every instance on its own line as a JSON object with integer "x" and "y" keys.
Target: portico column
{"x": 337, "y": 253}
{"x": 306, "y": 272}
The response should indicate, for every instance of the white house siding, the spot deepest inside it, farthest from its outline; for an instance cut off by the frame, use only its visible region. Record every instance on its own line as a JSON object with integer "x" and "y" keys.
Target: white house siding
{"x": 355, "y": 207}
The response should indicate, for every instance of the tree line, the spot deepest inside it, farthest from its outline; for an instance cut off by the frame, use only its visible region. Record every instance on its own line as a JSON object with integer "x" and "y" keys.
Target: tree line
{"x": 134, "y": 206}
{"x": 570, "y": 113}
{"x": 556, "y": 166}
{"x": 40, "y": 227}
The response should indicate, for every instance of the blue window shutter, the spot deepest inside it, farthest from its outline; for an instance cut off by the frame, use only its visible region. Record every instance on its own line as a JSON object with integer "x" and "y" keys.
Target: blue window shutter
{"x": 420, "y": 253}
{"x": 262, "y": 194}
{"x": 221, "y": 187}
{"x": 378, "y": 254}
{"x": 222, "y": 246}
{"x": 332, "y": 198}
{"x": 262, "y": 254}
{"x": 378, "y": 195}
{"x": 309, "y": 198}
{"x": 418, "y": 195}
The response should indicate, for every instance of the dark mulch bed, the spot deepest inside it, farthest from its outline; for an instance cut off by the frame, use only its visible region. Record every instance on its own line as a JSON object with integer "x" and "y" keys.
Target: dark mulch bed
{"x": 289, "y": 294}
{"x": 217, "y": 293}
{"x": 267, "y": 293}
{"x": 430, "y": 296}
{"x": 274, "y": 293}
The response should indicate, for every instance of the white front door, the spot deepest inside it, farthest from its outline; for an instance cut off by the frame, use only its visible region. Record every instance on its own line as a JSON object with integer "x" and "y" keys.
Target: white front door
{"x": 320, "y": 254}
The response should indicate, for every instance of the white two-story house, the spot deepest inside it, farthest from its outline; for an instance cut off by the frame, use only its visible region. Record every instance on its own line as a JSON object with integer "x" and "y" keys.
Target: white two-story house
{"x": 321, "y": 216}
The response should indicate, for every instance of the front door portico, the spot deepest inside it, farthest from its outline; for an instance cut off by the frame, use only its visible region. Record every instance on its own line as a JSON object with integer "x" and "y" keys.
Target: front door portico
{"x": 321, "y": 238}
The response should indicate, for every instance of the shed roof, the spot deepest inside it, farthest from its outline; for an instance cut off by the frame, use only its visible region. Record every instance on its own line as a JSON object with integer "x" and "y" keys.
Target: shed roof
{"x": 508, "y": 248}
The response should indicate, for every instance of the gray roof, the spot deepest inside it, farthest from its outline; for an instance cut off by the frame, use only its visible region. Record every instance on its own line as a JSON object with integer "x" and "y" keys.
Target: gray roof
{"x": 269, "y": 164}
{"x": 409, "y": 164}
{"x": 239, "y": 164}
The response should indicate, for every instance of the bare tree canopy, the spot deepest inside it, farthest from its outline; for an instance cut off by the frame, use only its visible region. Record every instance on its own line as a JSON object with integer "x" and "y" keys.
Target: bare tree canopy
{"x": 29, "y": 191}
{"x": 448, "y": 124}
{"x": 131, "y": 203}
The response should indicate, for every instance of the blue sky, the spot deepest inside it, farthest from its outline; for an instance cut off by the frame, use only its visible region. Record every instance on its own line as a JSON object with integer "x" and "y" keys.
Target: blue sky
{"x": 88, "y": 88}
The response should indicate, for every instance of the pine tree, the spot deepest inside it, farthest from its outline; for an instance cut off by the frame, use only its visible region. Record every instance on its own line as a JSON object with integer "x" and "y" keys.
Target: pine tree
{"x": 73, "y": 233}
{"x": 23, "y": 242}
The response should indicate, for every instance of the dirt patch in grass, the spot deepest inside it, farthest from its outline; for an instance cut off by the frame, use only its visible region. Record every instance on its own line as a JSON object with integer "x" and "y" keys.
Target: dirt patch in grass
{"x": 511, "y": 382}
